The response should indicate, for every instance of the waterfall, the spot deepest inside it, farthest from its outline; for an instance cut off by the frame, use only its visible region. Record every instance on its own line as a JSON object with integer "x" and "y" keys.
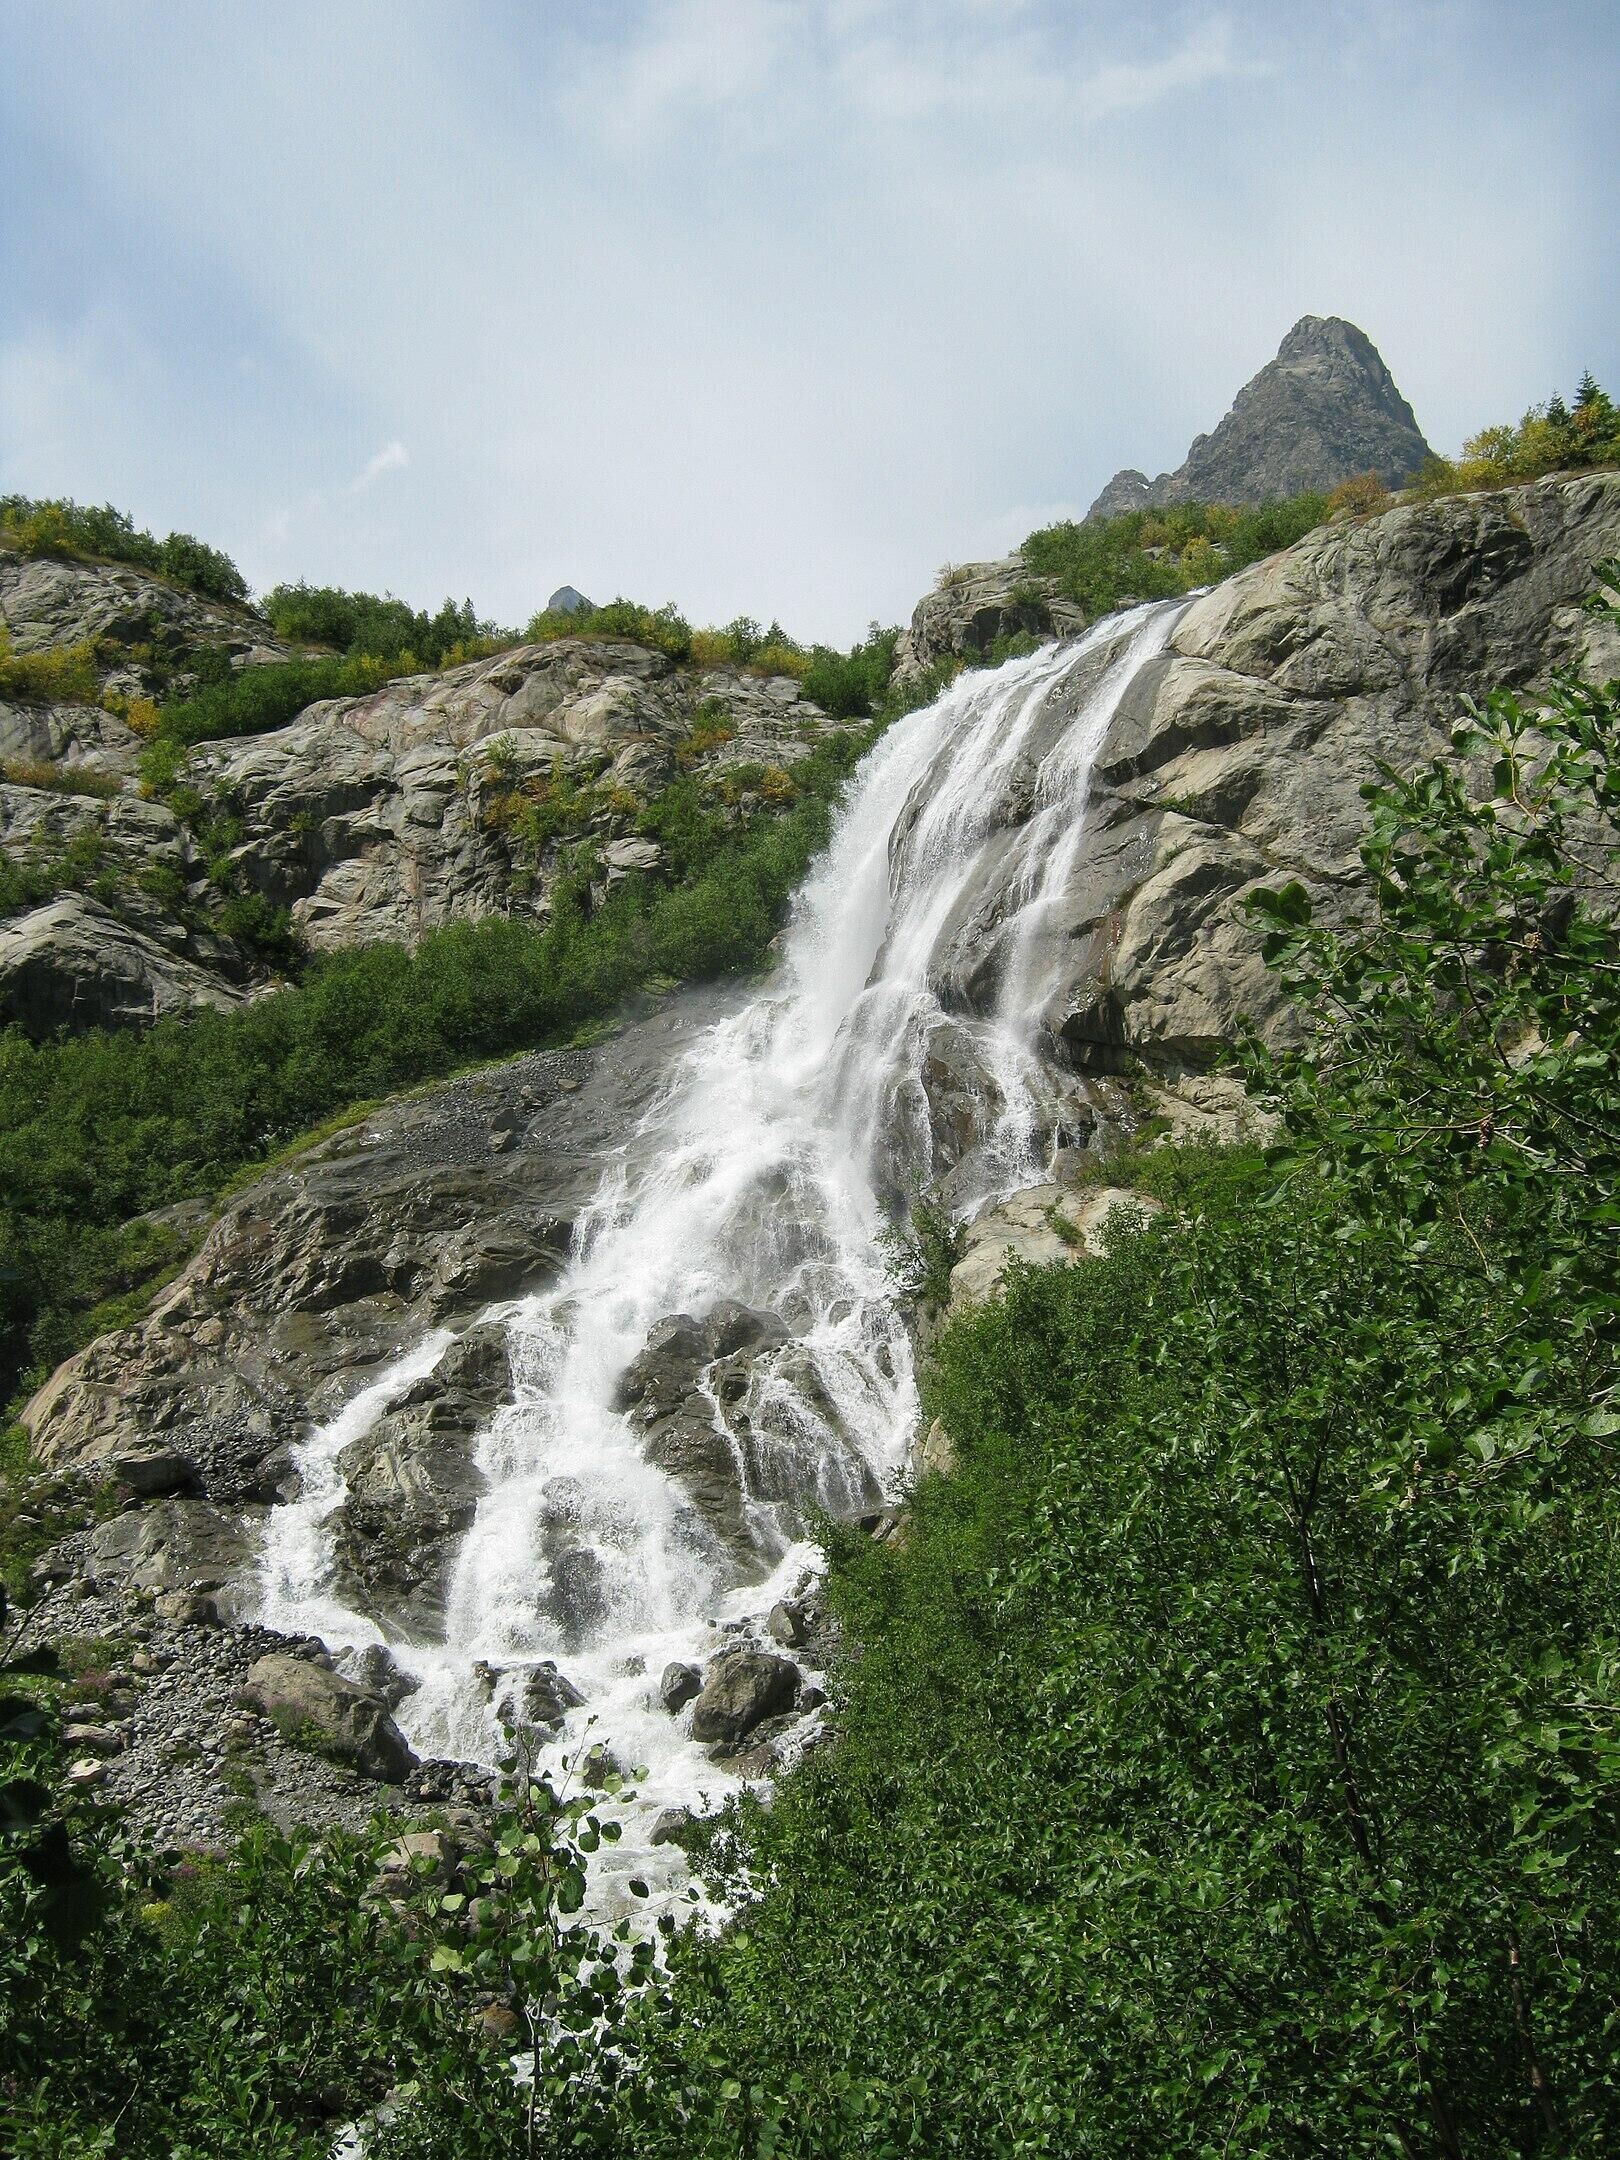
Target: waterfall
{"x": 766, "y": 1172}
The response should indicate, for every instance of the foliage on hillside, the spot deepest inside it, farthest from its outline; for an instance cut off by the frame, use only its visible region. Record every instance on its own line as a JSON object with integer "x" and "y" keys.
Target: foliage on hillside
{"x": 379, "y": 627}
{"x": 97, "y": 1129}
{"x": 1230, "y": 1763}
{"x": 1155, "y": 554}
{"x": 1554, "y": 437}
{"x": 63, "y": 528}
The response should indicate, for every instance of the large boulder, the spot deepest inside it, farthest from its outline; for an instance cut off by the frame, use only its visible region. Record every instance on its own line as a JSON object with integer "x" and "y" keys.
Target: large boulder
{"x": 1043, "y": 1226}
{"x": 73, "y": 964}
{"x": 383, "y": 816}
{"x": 330, "y": 1714}
{"x": 173, "y": 1544}
{"x": 741, "y": 1689}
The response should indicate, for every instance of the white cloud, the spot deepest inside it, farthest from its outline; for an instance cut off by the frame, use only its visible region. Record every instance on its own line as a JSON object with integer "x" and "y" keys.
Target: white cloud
{"x": 392, "y": 457}
{"x": 766, "y": 306}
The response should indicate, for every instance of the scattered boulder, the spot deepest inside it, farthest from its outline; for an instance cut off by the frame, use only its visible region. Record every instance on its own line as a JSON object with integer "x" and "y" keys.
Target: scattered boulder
{"x": 670, "y": 1825}
{"x": 72, "y": 963}
{"x": 150, "y": 1469}
{"x": 372, "y": 1667}
{"x": 740, "y": 1690}
{"x": 678, "y": 1687}
{"x": 339, "y": 1718}
{"x": 785, "y": 1623}
{"x": 547, "y": 1696}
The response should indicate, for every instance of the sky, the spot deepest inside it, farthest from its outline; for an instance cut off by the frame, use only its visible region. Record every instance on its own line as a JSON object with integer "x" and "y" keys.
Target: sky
{"x": 766, "y": 307}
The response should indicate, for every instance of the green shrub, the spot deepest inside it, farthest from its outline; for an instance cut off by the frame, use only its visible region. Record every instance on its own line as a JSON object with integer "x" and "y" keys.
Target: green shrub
{"x": 381, "y": 627}
{"x": 1155, "y": 554}
{"x": 849, "y": 684}
{"x": 61, "y": 674}
{"x": 59, "y": 779}
{"x": 60, "y": 527}
{"x": 664, "y": 629}
{"x": 1225, "y": 1759}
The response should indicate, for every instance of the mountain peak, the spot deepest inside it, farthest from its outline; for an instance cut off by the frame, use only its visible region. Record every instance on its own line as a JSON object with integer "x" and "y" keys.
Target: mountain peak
{"x": 1325, "y": 408}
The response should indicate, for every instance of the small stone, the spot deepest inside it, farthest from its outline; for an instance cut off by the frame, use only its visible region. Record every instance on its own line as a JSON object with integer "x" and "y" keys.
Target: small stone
{"x": 87, "y": 1771}
{"x": 668, "y": 1825}
{"x": 187, "y": 1608}
{"x": 435, "y": 1846}
{"x": 785, "y": 1624}
{"x": 99, "y": 1739}
{"x": 679, "y": 1686}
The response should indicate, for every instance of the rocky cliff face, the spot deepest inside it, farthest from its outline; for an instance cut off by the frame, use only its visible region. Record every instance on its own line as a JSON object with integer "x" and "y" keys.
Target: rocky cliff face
{"x": 1326, "y": 408}
{"x": 1237, "y": 757}
{"x": 367, "y": 818}
{"x": 379, "y": 817}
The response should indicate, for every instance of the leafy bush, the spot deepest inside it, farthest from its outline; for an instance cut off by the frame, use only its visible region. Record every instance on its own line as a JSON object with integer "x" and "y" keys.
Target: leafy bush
{"x": 61, "y": 674}
{"x": 1155, "y": 554}
{"x": 252, "y": 700}
{"x": 664, "y": 629}
{"x": 60, "y": 527}
{"x": 1226, "y": 1758}
{"x": 1554, "y": 437}
{"x": 380, "y": 627}
{"x": 856, "y": 682}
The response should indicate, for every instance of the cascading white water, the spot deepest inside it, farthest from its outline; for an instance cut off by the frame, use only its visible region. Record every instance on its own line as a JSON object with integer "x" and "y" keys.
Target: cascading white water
{"x": 764, "y": 1173}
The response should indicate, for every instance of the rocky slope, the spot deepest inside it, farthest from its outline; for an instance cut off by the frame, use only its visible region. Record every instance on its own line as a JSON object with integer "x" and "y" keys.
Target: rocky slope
{"x": 366, "y": 818}
{"x": 1324, "y": 409}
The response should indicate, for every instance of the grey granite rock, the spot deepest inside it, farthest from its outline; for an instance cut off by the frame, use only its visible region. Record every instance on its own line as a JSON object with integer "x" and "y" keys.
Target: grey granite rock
{"x": 1324, "y": 409}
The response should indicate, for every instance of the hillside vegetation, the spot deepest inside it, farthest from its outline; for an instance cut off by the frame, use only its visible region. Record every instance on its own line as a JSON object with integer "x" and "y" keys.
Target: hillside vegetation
{"x": 1225, "y": 1761}
{"x": 63, "y": 528}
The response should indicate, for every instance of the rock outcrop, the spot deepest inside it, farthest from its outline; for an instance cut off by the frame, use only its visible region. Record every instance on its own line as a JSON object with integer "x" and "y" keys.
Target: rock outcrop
{"x": 411, "y": 1487}
{"x": 366, "y": 818}
{"x": 974, "y": 605}
{"x": 1324, "y": 409}
{"x": 699, "y": 1394}
{"x": 73, "y": 963}
{"x": 1237, "y": 757}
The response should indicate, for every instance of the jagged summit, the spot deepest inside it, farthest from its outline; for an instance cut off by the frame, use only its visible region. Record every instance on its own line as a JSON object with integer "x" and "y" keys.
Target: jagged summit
{"x": 1325, "y": 408}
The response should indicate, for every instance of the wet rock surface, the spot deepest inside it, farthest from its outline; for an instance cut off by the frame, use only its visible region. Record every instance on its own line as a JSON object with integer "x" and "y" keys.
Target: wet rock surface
{"x": 325, "y": 1270}
{"x": 742, "y": 1689}
{"x": 412, "y": 1487}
